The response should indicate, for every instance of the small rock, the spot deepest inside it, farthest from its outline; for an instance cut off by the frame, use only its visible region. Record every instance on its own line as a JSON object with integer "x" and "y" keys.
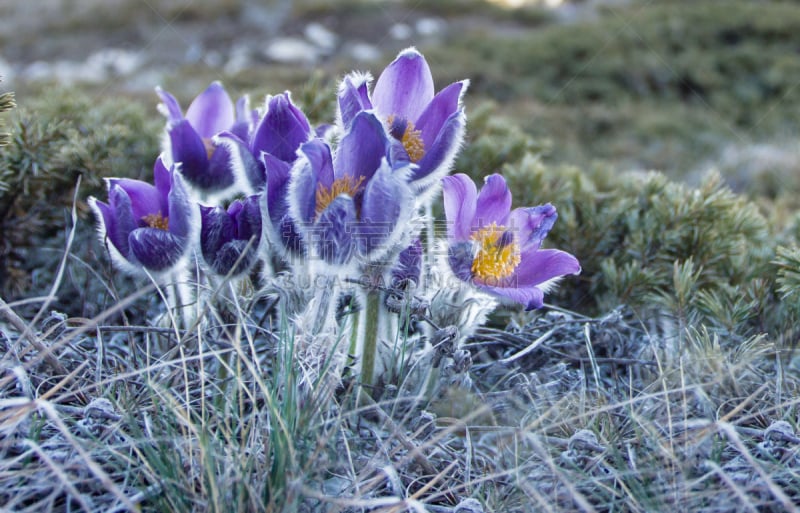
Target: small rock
{"x": 115, "y": 61}
{"x": 469, "y": 506}
{"x": 400, "y": 31}
{"x": 291, "y": 50}
{"x": 430, "y": 27}
{"x": 101, "y": 409}
{"x": 213, "y": 59}
{"x": 7, "y": 75}
{"x": 321, "y": 37}
{"x": 239, "y": 59}
{"x": 364, "y": 52}
{"x": 194, "y": 53}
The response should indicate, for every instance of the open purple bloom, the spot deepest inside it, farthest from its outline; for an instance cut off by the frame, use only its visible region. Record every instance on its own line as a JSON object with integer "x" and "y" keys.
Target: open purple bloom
{"x": 204, "y": 163}
{"x": 229, "y": 239}
{"x": 428, "y": 126}
{"x": 498, "y": 249}
{"x": 148, "y": 226}
{"x": 353, "y": 202}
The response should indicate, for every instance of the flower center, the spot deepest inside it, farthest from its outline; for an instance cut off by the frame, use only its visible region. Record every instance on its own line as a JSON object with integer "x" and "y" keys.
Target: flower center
{"x": 345, "y": 185}
{"x": 403, "y": 130}
{"x": 157, "y": 221}
{"x": 498, "y": 254}
{"x": 210, "y": 148}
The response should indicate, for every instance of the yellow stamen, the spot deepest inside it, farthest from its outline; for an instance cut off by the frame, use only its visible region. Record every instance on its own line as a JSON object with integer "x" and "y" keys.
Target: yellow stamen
{"x": 157, "y": 221}
{"x": 411, "y": 140}
{"x": 493, "y": 260}
{"x": 210, "y": 148}
{"x": 344, "y": 185}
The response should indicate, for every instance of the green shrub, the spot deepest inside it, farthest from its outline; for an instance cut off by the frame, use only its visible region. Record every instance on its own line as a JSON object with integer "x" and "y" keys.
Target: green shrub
{"x": 703, "y": 255}
{"x": 55, "y": 138}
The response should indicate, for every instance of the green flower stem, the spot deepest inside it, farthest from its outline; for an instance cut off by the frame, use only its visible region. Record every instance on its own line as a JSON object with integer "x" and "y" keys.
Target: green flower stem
{"x": 354, "y": 325}
{"x": 372, "y": 321}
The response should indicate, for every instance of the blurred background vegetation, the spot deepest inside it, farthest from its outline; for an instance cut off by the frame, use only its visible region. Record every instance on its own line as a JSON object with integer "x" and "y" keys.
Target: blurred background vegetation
{"x": 575, "y": 102}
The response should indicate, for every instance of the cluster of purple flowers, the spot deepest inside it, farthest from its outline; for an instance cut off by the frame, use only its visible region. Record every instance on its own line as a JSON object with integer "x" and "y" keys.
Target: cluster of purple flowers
{"x": 234, "y": 185}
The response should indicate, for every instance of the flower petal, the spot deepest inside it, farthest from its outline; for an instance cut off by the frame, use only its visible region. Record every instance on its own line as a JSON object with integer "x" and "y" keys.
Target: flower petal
{"x": 161, "y": 177}
{"x": 278, "y": 173}
{"x": 362, "y": 149}
{"x": 219, "y": 175}
{"x": 439, "y": 157}
{"x": 226, "y": 235}
{"x": 169, "y": 106}
{"x": 540, "y": 266}
{"x": 217, "y": 228}
{"x": 532, "y": 224}
{"x": 119, "y": 219}
{"x": 282, "y": 129}
{"x": 234, "y": 257}
{"x": 245, "y": 119}
{"x": 141, "y": 197}
{"x": 439, "y": 110}
{"x": 212, "y": 111}
{"x": 188, "y": 149}
{"x": 181, "y": 210}
{"x": 332, "y": 234}
{"x": 157, "y": 250}
{"x": 248, "y": 219}
{"x": 289, "y": 236}
{"x": 242, "y": 164}
{"x": 353, "y": 97}
{"x": 531, "y": 297}
{"x": 386, "y": 198}
{"x": 405, "y": 87}
{"x": 409, "y": 265}
{"x": 494, "y": 202}
{"x": 460, "y": 256}
{"x": 460, "y": 198}
{"x": 313, "y": 168}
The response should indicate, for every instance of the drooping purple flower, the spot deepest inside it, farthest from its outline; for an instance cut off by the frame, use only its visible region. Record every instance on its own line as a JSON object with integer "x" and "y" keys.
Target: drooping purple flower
{"x": 271, "y": 147}
{"x": 266, "y": 158}
{"x": 428, "y": 126}
{"x": 353, "y": 202}
{"x": 148, "y": 226}
{"x": 229, "y": 239}
{"x": 204, "y": 163}
{"x": 409, "y": 265}
{"x": 498, "y": 249}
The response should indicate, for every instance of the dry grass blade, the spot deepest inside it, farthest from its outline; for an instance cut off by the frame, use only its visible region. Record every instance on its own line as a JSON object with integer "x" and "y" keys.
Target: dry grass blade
{"x": 102, "y": 475}
{"x": 28, "y": 334}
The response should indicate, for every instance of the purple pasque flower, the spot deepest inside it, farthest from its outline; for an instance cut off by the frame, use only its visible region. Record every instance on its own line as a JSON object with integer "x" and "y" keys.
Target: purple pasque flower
{"x": 408, "y": 267}
{"x": 148, "y": 226}
{"x": 266, "y": 158}
{"x": 428, "y": 126}
{"x": 352, "y": 202}
{"x": 267, "y": 154}
{"x": 229, "y": 239}
{"x": 498, "y": 249}
{"x": 205, "y": 163}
